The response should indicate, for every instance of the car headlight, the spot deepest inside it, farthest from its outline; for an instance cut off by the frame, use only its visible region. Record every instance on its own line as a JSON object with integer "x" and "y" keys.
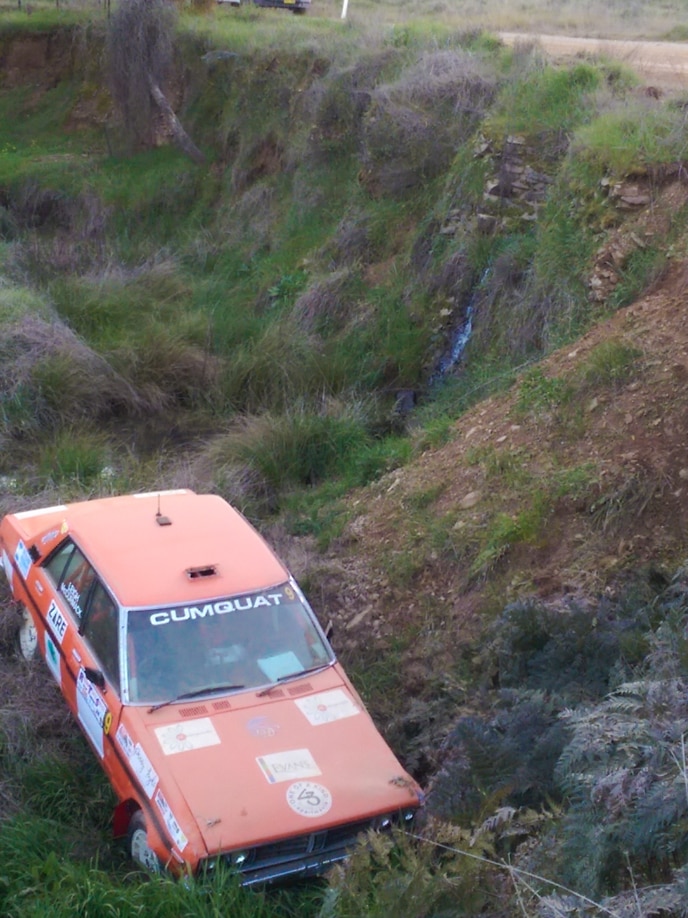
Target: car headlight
{"x": 239, "y": 859}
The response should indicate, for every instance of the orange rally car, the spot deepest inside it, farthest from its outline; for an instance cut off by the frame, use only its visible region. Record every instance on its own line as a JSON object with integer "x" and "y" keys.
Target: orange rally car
{"x": 204, "y": 684}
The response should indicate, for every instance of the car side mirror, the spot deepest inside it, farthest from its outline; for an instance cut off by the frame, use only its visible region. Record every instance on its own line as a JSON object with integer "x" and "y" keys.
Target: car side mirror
{"x": 95, "y": 676}
{"x": 329, "y": 630}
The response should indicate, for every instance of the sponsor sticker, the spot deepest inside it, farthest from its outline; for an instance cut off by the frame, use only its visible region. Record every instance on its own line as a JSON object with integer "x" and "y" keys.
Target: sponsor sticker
{"x": 325, "y": 707}
{"x": 188, "y": 735}
{"x": 52, "y": 658}
{"x": 91, "y": 709}
{"x": 309, "y": 799}
{"x": 49, "y": 536}
{"x": 139, "y": 761}
{"x": 71, "y": 594}
{"x": 285, "y": 766}
{"x": 57, "y": 622}
{"x": 211, "y": 609}
{"x": 173, "y": 826}
{"x": 22, "y": 559}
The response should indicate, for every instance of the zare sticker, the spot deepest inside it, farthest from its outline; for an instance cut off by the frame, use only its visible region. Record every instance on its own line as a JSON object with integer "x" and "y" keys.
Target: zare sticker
{"x": 190, "y": 734}
{"x": 325, "y": 707}
{"x": 139, "y": 761}
{"x": 57, "y": 622}
{"x": 309, "y": 799}
{"x": 285, "y": 766}
{"x": 173, "y": 826}
{"x": 52, "y": 658}
{"x": 23, "y": 559}
{"x": 91, "y": 709}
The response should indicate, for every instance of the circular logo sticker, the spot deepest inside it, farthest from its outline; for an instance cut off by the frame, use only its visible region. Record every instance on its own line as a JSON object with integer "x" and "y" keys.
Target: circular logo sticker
{"x": 309, "y": 799}
{"x": 262, "y": 727}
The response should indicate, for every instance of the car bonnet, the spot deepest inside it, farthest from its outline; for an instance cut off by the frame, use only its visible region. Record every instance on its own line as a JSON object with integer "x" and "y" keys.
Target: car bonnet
{"x": 278, "y": 767}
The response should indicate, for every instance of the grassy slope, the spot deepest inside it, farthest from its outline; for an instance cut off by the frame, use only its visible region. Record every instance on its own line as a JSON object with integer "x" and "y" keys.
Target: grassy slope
{"x": 559, "y": 487}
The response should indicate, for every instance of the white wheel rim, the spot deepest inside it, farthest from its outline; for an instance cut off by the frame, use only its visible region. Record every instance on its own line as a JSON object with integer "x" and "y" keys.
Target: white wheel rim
{"x": 142, "y": 853}
{"x": 28, "y": 637}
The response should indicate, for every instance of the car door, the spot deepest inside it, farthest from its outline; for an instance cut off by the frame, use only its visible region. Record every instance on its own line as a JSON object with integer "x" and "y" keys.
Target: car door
{"x": 82, "y": 636}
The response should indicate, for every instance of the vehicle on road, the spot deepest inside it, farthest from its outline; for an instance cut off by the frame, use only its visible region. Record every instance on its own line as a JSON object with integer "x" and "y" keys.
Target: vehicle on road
{"x": 296, "y": 6}
{"x": 204, "y": 683}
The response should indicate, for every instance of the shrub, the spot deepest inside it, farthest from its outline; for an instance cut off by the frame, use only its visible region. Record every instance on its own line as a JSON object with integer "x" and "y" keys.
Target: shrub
{"x": 412, "y": 127}
{"x": 75, "y": 457}
{"x": 49, "y": 378}
{"x": 282, "y": 365}
{"x": 301, "y": 447}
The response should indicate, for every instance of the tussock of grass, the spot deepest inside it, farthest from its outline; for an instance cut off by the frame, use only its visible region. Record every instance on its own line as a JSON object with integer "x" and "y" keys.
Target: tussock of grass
{"x": 49, "y": 377}
{"x": 611, "y": 364}
{"x": 301, "y": 446}
{"x": 634, "y": 135}
{"x": 545, "y": 101}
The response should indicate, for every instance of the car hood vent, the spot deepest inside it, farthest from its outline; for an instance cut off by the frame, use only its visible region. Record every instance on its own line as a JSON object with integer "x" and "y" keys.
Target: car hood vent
{"x": 200, "y": 573}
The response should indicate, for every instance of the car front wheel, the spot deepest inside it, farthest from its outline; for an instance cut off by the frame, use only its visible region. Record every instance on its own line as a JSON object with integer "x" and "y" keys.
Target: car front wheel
{"x": 139, "y": 849}
{"x": 27, "y": 636}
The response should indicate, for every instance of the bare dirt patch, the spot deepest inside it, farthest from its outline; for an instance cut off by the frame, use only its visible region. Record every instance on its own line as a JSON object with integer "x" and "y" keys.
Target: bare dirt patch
{"x": 662, "y": 63}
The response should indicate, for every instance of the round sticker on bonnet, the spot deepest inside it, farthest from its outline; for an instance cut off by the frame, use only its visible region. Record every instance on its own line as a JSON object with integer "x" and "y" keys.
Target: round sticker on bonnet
{"x": 309, "y": 799}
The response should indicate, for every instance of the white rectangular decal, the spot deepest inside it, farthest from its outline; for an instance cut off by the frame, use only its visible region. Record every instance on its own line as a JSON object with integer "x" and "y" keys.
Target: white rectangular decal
{"x": 190, "y": 734}
{"x": 52, "y": 658}
{"x": 23, "y": 559}
{"x": 325, "y": 707}
{"x": 92, "y": 710}
{"x": 173, "y": 826}
{"x": 57, "y": 621}
{"x": 41, "y": 511}
{"x": 288, "y": 766}
{"x": 139, "y": 761}
{"x": 7, "y": 565}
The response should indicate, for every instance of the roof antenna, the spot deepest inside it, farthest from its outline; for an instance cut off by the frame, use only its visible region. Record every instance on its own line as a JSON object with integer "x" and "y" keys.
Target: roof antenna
{"x": 159, "y": 518}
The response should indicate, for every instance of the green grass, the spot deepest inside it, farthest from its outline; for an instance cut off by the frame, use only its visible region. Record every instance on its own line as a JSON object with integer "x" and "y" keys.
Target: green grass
{"x": 75, "y": 456}
{"x": 538, "y": 393}
{"x": 632, "y": 137}
{"x": 610, "y": 364}
{"x": 546, "y": 101}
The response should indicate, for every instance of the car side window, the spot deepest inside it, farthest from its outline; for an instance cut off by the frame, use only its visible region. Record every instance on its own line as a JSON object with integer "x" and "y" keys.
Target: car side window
{"x": 101, "y": 631}
{"x": 73, "y": 576}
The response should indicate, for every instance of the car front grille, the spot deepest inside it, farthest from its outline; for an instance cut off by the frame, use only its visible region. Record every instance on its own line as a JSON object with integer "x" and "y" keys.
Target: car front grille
{"x": 303, "y": 855}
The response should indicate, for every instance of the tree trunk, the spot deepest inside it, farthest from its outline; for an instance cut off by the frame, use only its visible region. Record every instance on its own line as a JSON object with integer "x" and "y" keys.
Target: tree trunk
{"x": 181, "y": 138}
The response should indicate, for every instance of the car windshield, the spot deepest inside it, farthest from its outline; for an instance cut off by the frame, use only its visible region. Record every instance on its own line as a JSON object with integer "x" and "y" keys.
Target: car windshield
{"x": 221, "y": 645}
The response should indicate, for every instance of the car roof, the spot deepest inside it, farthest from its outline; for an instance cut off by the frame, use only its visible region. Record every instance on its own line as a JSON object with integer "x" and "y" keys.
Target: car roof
{"x": 145, "y": 545}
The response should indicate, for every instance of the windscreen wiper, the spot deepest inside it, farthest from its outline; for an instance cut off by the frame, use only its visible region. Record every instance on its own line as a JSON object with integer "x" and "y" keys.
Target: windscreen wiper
{"x": 294, "y": 675}
{"x": 206, "y": 690}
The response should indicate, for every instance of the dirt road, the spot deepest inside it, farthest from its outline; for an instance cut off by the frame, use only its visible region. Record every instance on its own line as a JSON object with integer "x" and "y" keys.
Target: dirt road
{"x": 664, "y": 64}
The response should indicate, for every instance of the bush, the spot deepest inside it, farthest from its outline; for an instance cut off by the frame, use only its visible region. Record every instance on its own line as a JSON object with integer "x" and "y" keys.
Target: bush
{"x": 300, "y": 447}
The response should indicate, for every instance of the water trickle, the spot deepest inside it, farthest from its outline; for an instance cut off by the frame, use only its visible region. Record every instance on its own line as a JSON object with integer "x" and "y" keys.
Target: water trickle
{"x": 460, "y": 338}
